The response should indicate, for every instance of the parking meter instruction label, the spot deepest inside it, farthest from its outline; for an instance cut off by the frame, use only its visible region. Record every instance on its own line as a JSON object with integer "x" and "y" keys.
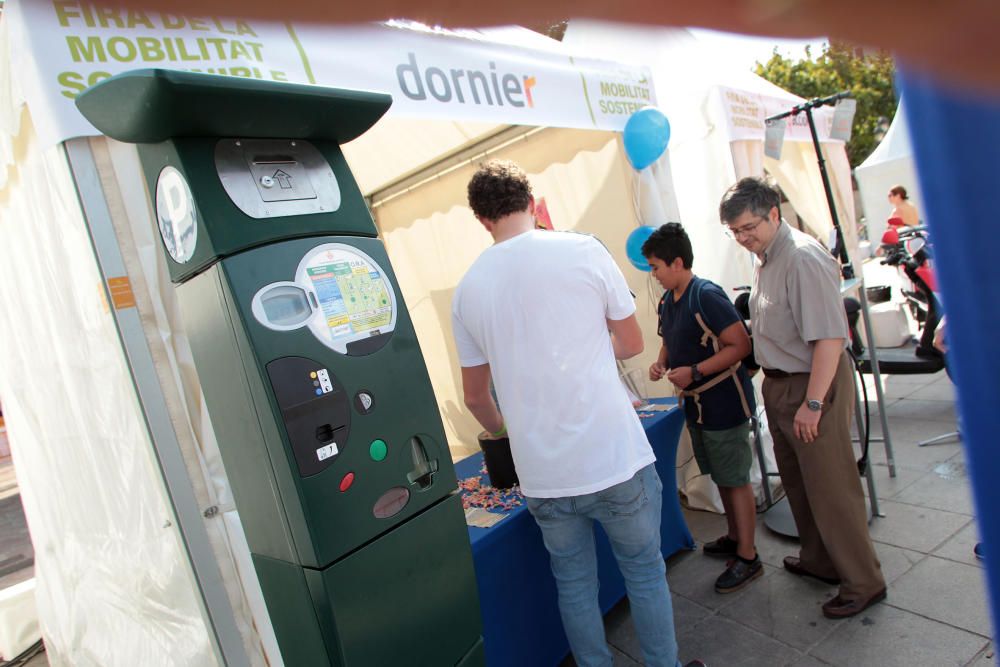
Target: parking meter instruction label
{"x": 352, "y": 295}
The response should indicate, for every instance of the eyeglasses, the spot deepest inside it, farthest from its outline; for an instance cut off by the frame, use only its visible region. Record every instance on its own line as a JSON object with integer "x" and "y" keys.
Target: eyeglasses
{"x": 745, "y": 230}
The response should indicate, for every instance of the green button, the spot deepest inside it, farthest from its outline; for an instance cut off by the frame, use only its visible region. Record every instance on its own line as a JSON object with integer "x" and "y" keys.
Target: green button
{"x": 378, "y": 450}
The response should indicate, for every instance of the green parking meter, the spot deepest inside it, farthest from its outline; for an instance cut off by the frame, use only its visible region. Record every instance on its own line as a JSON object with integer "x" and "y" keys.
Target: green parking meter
{"x": 317, "y": 390}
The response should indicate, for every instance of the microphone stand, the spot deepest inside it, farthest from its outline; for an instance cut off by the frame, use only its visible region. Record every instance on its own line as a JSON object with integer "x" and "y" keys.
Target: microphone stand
{"x": 840, "y": 251}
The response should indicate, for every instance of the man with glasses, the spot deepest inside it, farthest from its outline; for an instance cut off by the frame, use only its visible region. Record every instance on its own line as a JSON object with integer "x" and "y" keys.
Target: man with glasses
{"x": 800, "y": 332}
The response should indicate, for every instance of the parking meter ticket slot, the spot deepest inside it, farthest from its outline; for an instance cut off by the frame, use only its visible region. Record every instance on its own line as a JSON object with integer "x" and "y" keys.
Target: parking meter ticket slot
{"x": 281, "y": 181}
{"x": 323, "y": 453}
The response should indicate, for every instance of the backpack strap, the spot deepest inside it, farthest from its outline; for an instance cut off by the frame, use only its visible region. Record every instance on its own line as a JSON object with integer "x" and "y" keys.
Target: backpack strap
{"x": 708, "y": 336}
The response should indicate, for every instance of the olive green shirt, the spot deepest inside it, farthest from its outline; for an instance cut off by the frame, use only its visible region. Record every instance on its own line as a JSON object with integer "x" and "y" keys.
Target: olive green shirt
{"x": 795, "y": 301}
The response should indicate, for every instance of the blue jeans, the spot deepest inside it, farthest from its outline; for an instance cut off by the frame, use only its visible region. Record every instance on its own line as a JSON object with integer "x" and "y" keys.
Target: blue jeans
{"x": 630, "y": 515}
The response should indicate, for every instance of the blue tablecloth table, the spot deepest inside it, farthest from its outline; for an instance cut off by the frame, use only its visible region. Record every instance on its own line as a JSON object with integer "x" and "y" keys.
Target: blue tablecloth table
{"x": 517, "y": 594}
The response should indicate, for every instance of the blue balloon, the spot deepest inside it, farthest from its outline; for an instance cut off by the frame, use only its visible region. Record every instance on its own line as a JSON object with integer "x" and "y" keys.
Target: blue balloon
{"x": 633, "y": 247}
{"x": 646, "y": 135}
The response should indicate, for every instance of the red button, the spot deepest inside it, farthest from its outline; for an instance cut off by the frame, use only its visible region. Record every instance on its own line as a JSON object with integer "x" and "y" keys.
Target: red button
{"x": 345, "y": 483}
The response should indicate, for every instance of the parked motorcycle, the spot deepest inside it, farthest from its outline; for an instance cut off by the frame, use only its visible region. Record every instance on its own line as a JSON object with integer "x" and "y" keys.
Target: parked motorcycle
{"x": 909, "y": 249}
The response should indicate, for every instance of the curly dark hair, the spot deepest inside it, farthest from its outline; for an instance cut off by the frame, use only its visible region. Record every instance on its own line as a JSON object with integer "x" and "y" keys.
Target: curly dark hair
{"x": 757, "y": 195}
{"x": 668, "y": 243}
{"x": 497, "y": 189}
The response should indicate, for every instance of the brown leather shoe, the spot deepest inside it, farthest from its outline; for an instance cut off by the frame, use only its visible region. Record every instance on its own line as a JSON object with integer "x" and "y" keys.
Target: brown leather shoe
{"x": 838, "y": 607}
{"x": 794, "y": 565}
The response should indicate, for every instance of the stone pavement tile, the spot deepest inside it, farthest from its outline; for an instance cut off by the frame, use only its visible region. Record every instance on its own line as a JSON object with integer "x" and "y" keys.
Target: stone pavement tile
{"x": 687, "y": 614}
{"x": 14, "y": 578}
{"x": 986, "y": 658}
{"x": 945, "y": 487}
{"x": 936, "y": 391}
{"x": 809, "y": 661}
{"x": 620, "y": 630}
{"x": 908, "y": 408}
{"x": 959, "y": 548}
{"x": 887, "y": 487}
{"x": 693, "y": 576}
{"x": 618, "y": 659}
{"x": 772, "y": 547}
{"x": 920, "y": 379}
{"x": 721, "y": 642}
{"x": 916, "y": 528}
{"x": 905, "y": 436}
{"x": 885, "y": 636}
{"x": 945, "y": 591}
{"x": 896, "y": 561}
{"x": 705, "y": 526}
{"x": 785, "y": 607}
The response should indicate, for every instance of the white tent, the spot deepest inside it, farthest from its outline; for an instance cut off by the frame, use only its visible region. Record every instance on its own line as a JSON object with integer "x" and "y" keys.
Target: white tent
{"x": 140, "y": 557}
{"x": 717, "y": 137}
{"x": 889, "y": 165}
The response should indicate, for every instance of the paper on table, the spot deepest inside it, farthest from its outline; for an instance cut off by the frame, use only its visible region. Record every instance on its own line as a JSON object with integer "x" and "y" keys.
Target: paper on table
{"x": 654, "y": 407}
{"x": 480, "y": 518}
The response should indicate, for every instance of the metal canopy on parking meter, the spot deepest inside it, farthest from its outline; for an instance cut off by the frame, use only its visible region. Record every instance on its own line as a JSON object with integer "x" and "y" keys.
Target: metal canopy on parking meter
{"x": 281, "y": 158}
{"x": 318, "y": 393}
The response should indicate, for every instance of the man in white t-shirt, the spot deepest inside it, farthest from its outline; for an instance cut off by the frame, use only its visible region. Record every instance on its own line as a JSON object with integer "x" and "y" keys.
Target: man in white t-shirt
{"x": 545, "y": 314}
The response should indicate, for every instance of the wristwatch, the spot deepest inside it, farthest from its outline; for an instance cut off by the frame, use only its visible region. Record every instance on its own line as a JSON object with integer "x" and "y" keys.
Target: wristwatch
{"x": 696, "y": 375}
{"x": 814, "y": 405}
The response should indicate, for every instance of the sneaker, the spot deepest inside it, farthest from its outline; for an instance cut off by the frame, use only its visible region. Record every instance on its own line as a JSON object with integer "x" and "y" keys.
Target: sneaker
{"x": 724, "y": 546}
{"x": 738, "y": 575}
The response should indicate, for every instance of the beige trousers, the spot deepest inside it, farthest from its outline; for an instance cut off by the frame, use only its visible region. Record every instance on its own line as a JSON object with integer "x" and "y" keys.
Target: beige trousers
{"x": 822, "y": 483}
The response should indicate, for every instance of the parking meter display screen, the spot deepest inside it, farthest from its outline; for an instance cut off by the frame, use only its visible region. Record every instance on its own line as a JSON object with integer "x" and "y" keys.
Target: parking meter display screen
{"x": 352, "y": 291}
{"x": 285, "y": 307}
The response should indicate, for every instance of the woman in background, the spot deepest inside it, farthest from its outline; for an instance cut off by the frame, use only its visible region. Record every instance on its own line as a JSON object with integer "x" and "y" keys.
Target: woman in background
{"x": 902, "y": 209}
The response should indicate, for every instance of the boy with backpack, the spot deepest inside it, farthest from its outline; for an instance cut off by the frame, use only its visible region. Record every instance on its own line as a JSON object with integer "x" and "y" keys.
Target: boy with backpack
{"x": 704, "y": 343}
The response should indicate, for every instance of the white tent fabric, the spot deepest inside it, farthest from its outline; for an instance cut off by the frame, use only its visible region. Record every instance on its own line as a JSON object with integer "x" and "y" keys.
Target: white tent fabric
{"x": 140, "y": 604}
{"x": 96, "y": 503}
{"x": 889, "y": 165}
{"x": 114, "y": 585}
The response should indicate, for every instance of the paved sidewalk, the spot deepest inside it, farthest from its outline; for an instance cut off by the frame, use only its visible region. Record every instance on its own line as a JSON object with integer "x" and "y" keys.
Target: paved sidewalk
{"x": 936, "y": 612}
{"x": 17, "y": 557}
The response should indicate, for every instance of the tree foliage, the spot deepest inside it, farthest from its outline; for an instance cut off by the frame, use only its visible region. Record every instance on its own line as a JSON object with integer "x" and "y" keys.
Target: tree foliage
{"x": 841, "y": 67}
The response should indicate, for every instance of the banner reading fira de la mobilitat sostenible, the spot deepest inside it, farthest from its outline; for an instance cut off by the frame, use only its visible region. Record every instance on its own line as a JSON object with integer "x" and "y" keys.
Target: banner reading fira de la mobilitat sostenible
{"x": 59, "y": 48}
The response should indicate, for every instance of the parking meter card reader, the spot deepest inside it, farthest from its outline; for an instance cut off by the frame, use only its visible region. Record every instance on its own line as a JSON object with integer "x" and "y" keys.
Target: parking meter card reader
{"x": 315, "y": 409}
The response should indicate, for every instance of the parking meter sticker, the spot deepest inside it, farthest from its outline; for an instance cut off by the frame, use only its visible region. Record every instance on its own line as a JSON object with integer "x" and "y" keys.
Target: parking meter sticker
{"x": 176, "y": 215}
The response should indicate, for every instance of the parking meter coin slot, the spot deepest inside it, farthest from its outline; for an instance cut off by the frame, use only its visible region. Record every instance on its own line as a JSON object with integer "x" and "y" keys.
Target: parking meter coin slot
{"x": 364, "y": 402}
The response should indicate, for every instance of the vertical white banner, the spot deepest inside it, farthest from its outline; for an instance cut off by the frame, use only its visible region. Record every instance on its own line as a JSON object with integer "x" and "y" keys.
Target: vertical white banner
{"x": 843, "y": 119}
{"x": 774, "y": 138}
